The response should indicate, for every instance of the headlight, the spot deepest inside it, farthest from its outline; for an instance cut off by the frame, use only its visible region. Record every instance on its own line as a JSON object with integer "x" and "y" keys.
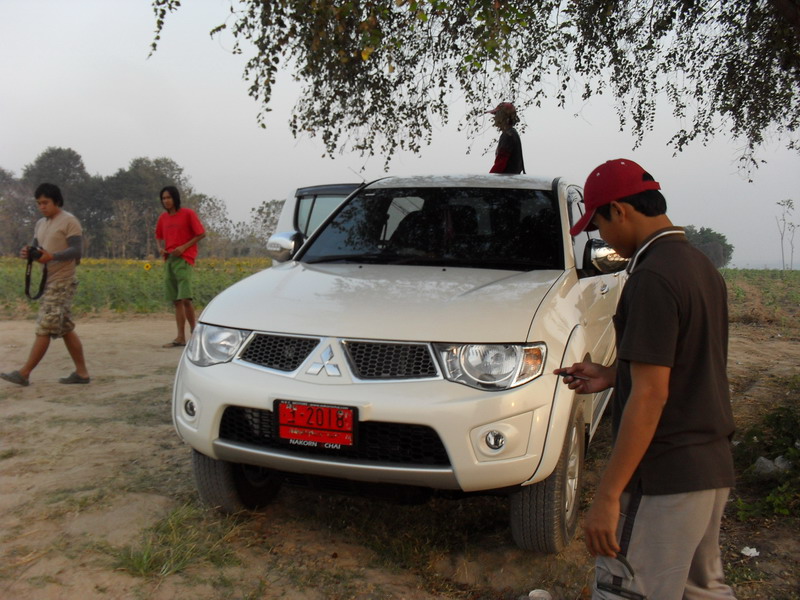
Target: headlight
{"x": 211, "y": 345}
{"x": 492, "y": 366}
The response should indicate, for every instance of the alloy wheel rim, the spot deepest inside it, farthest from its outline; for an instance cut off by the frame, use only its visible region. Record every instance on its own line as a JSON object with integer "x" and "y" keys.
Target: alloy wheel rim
{"x": 572, "y": 474}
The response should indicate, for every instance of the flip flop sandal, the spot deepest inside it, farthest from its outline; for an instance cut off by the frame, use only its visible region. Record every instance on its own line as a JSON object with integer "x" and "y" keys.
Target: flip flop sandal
{"x": 74, "y": 378}
{"x": 174, "y": 344}
{"x": 14, "y": 377}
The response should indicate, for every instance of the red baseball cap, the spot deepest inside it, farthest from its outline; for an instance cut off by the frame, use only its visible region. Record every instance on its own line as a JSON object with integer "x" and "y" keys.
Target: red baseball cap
{"x": 502, "y": 105}
{"x": 613, "y": 180}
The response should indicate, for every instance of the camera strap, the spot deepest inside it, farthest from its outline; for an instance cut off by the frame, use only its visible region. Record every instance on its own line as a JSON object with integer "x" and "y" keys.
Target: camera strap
{"x": 28, "y": 281}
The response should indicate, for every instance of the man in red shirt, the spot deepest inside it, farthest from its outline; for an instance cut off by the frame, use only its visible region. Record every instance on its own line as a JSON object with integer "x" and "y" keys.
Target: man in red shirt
{"x": 177, "y": 232}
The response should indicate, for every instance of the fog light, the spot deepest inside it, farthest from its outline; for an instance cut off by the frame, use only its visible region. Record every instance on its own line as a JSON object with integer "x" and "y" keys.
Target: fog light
{"x": 190, "y": 408}
{"x": 495, "y": 440}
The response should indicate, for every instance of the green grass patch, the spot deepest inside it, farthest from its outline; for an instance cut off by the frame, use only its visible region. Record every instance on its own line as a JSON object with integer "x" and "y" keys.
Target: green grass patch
{"x": 775, "y": 438}
{"x": 185, "y": 537}
{"x": 742, "y": 573}
{"x": 74, "y": 500}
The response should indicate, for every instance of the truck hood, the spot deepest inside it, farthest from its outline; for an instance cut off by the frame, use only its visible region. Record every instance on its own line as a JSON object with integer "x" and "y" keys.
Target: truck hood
{"x": 396, "y": 302}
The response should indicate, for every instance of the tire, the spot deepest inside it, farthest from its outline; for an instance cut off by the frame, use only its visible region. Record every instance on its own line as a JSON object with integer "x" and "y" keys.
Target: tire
{"x": 544, "y": 515}
{"x": 231, "y": 487}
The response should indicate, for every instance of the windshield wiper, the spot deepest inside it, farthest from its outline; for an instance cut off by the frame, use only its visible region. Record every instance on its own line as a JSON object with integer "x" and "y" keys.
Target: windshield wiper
{"x": 442, "y": 261}
{"x": 513, "y": 264}
{"x": 370, "y": 257}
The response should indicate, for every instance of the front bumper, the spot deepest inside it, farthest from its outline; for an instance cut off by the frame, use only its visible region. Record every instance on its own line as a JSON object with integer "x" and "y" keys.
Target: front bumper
{"x": 458, "y": 415}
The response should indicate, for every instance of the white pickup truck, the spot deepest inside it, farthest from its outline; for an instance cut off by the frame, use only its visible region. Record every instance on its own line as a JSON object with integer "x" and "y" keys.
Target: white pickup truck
{"x": 405, "y": 338}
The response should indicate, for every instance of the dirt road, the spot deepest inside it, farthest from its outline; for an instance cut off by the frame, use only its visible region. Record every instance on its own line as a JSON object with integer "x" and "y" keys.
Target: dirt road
{"x": 86, "y": 472}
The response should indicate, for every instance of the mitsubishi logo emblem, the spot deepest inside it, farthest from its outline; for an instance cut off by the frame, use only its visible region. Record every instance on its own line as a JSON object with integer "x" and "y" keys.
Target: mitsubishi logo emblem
{"x": 331, "y": 369}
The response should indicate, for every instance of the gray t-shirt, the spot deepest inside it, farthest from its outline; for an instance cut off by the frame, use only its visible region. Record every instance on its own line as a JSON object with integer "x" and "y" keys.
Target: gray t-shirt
{"x": 52, "y": 234}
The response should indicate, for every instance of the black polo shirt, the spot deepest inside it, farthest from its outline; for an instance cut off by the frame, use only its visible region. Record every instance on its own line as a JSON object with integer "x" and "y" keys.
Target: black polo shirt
{"x": 673, "y": 312}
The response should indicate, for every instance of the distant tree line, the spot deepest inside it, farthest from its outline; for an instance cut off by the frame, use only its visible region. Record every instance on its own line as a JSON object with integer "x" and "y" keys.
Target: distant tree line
{"x": 119, "y": 212}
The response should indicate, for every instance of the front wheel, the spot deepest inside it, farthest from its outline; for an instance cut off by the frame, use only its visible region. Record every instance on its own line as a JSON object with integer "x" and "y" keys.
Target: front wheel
{"x": 233, "y": 487}
{"x": 544, "y": 515}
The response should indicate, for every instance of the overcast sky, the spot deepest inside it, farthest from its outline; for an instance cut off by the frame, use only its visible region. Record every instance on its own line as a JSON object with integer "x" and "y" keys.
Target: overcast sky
{"x": 76, "y": 75}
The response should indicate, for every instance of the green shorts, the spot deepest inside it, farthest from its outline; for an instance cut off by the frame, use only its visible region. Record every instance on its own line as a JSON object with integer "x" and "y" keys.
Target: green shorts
{"x": 178, "y": 279}
{"x": 55, "y": 309}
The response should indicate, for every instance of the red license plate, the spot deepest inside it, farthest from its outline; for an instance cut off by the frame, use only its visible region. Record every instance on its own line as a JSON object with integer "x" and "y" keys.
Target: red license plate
{"x": 315, "y": 425}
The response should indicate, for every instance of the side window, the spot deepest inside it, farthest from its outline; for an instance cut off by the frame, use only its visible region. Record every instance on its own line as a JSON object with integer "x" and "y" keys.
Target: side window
{"x": 313, "y": 210}
{"x": 323, "y": 207}
{"x": 575, "y": 203}
{"x": 304, "y": 205}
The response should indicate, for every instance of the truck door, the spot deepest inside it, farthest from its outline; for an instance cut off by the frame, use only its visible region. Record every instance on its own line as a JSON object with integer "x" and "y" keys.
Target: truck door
{"x": 599, "y": 291}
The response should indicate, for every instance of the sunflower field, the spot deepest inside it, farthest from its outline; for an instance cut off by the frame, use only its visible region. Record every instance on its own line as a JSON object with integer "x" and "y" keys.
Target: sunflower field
{"x": 120, "y": 285}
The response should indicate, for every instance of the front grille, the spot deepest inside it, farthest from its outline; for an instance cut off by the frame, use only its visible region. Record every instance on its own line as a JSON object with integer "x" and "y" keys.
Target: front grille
{"x": 278, "y": 352}
{"x": 376, "y": 441}
{"x": 372, "y": 360}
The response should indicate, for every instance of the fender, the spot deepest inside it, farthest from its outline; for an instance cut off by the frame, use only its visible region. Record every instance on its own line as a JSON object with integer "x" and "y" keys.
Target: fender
{"x": 561, "y": 407}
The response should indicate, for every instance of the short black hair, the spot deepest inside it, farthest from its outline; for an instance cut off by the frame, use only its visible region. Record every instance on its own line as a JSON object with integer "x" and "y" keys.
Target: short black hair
{"x": 49, "y": 190}
{"x": 173, "y": 191}
{"x": 650, "y": 203}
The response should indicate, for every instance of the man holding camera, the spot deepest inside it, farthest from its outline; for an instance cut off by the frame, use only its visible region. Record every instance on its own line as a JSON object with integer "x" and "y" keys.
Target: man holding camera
{"x": 57, "y": 241}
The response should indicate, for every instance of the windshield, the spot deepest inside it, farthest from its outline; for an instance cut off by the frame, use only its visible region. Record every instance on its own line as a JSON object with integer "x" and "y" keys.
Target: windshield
{"x": 515, "y": 229}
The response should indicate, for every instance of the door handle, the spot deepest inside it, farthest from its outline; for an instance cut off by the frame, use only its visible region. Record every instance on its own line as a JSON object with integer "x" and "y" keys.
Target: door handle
{"x": 604, "y": 289}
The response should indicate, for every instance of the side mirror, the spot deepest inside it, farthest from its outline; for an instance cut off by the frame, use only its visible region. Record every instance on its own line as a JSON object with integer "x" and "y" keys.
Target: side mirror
{"x": 283, "y": 246}
{"x": 603, "y": 257}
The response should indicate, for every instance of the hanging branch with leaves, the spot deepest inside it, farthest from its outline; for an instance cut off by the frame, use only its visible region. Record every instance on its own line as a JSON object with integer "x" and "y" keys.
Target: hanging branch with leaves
{"x": 379, "y": 75}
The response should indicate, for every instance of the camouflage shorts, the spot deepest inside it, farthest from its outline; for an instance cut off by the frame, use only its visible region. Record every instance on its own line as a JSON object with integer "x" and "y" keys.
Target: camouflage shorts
{"x": 55, "y": 309}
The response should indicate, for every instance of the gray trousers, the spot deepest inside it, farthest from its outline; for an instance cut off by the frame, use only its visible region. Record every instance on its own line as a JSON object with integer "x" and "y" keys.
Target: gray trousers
{"x": 670, "y": 549}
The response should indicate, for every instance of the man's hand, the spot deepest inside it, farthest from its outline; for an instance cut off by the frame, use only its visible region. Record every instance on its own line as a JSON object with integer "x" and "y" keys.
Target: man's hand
{"x": 46, "y": 257}
{"x": 600, "y": 527}
{"x": 178, "y": 251}
{"x": 588, "y": 377}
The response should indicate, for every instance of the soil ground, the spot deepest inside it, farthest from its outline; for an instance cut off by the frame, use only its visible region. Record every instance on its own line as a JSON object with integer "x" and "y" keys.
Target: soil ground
{"x": 90, "y": 475}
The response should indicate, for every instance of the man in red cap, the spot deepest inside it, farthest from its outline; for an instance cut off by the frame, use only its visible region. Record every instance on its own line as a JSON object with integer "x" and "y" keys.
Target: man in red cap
{"x": 654, "y": 522}
{"x": 508, "y": 156}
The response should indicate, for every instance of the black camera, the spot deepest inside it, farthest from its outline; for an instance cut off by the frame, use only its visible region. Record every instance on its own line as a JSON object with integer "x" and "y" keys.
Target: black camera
{"x": 34, "y": 253}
